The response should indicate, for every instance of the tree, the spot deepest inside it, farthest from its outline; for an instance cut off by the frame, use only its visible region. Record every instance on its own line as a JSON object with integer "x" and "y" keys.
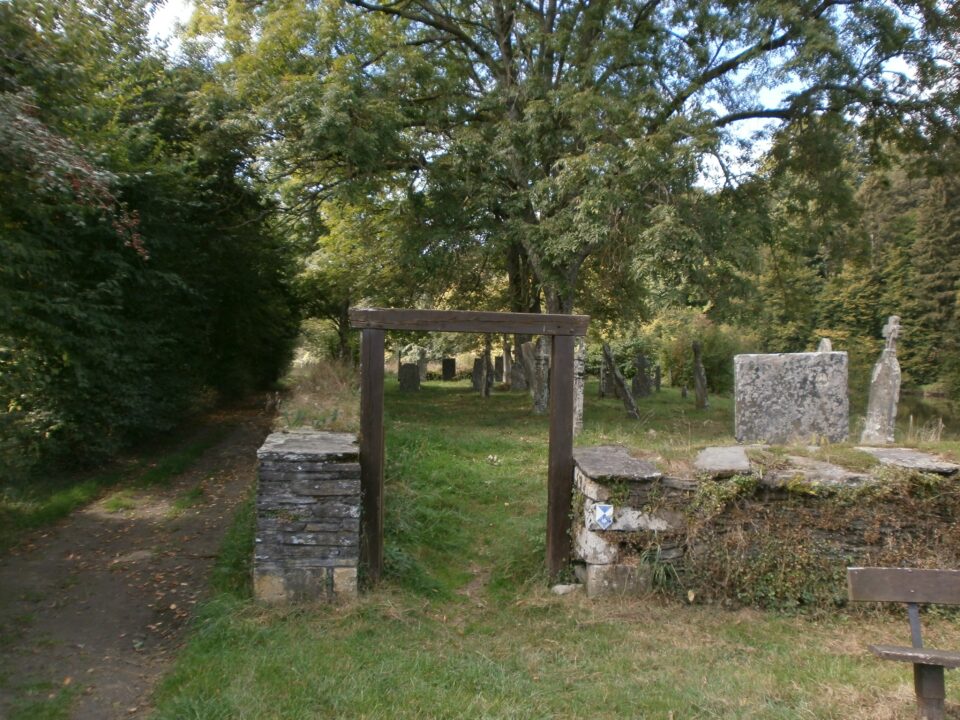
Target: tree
{"x": 556, "y": 130}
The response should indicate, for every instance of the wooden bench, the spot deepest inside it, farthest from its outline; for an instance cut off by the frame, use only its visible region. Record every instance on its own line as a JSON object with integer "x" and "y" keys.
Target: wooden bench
{"x": 913, "y": 587}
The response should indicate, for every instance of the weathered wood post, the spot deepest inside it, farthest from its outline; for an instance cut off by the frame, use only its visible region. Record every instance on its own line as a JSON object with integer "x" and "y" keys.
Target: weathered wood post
{"x": 560, "y": 467}
{"x": 371, "y": 451}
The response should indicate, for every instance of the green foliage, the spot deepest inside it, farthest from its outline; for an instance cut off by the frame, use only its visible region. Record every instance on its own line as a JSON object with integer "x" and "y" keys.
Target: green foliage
{"x": 136, "y": 266}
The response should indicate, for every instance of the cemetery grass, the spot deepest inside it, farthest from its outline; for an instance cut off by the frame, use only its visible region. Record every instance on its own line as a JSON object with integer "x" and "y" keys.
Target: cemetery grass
{"x": 464, "y": 624}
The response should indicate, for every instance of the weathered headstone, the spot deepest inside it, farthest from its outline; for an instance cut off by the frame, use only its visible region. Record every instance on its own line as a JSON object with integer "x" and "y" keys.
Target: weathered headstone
{"x": 699, "y": 378}
{"x": 683, "y": 392}
{"x": 498, "y": 369}
{"x": 409, "y": 377}
{"x": 640, "y": 387}
{"x": 518, "y": 380}
{"x": 881, "y": 418}
{"x": 825, "y": 345}
{"x": 656, "y": 378}
{"x": 579, "y": 379}
{"x": 308, "y": 517}
{"x": 476, "y": 376}
{"x": 541, "y": 387}
{"x": 528, "y": 364}
{"x": 628, "y": 402}
{"x": 791, "y": 397}
{"x": 507, "y": 364}
{"x": 449, "y": 369}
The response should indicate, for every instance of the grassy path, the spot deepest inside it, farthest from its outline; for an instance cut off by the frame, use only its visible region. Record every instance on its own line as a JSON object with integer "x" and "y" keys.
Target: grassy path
{"x": 465, "y": 627}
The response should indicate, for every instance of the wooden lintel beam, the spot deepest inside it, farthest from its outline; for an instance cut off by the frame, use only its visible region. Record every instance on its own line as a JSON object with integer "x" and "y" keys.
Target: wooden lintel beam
{"x": 468, "y": 321}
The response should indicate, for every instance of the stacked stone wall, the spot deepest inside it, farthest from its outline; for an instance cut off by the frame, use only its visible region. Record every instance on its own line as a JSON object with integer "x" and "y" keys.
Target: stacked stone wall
{"x": 308, "y": 517}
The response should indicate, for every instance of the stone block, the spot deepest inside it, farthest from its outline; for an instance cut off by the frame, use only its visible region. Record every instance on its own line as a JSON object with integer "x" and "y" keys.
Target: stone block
{"x": 592, "y": 548}
{"x": 615, "y": 580}
{"x": 449, "y": 371}
{"x": 345, "y": 583}
{"x": 723, "y": 462}
{"x": 791, "y": 397}
{"x": 409, "y": 377}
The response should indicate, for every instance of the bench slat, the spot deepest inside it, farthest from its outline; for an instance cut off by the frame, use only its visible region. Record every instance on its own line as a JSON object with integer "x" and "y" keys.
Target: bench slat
{"x": 909, "y": 585}
{"x": 921, "y": 656}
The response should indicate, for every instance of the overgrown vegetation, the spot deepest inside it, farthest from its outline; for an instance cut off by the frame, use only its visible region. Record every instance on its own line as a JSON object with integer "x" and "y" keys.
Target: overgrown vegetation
{"x": 138, "y": 264}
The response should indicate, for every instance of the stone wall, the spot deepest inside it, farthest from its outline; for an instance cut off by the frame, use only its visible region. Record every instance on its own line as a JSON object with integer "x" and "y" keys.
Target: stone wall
{"x": 779, "y": 534}
{"x": 308, "y": 517}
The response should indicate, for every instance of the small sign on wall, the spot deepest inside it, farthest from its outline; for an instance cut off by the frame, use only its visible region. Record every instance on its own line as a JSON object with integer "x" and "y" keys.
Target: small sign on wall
{"x": 603, "y": 515}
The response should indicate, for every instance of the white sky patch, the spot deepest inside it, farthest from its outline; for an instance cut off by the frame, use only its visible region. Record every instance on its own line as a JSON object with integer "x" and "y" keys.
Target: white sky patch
{"x": 163, "y": 24}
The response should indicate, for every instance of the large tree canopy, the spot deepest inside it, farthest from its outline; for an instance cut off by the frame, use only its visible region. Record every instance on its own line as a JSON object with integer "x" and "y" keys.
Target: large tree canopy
{"x": 557, "y": 130}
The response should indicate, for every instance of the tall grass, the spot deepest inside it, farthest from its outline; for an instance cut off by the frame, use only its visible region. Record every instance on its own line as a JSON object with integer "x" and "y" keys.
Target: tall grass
{"x": 319, "y": 393}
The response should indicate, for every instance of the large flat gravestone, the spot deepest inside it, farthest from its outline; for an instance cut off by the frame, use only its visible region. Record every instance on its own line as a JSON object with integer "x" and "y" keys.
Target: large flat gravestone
{"x": 449, "y": 369}
{"x": 791, "y": 397}
{"x": 308, "y": 517}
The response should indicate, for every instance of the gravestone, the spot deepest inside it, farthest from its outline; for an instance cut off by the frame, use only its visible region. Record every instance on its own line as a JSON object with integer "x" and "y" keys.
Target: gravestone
{"x": 579, "y": 379}
{"x": 409, "y": 377}
{"x": 825, "y": 345}
{"x": 414, "y": 353}
{"x": 518, "y": 380}
{"x": 507, "y": 364}
{"x": 529, "y": 363}
{"x": 476, "y": 376}
{"x": 699, "y": 378}
{"x": 621, "y": 384}
{"x": 498, "y": 369}
{"x": 884, "y": 391}
{"x": 791, "y": 397}
{"x": 541, "y": 387}
{"x": 308, "y": 517}
{"x": 449, "y": 369}
{"x": 640, "y": 387}
{"x": 656, "y": 378}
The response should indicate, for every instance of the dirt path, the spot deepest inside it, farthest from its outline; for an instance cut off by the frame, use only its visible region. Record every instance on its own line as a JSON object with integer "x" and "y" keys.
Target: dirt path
{"x": 92, "y": 610}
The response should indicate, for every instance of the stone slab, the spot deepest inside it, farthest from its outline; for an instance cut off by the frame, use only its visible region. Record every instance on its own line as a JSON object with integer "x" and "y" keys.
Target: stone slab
{"x": 591, "y": 548}
{"x": 608, "y": 463}
{"x": 723, "y": 462}
{"x": 613, "y": 580}
{"x": 300, "y": 446}
{"x": 912, "y": 460}
{"x": 815, "y": 472}
{"x": 791, "y": 397}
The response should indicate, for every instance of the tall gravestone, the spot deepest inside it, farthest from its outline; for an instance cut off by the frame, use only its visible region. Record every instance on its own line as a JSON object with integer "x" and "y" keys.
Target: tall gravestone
{"x": 507, "y": 364}
{"x": 476, "y": 376}
{"x": 409, "y": 377}
{"x": 579, "y": 379}
{"x": 541, "y": 388}
{"x": 791, "y": 397}
{"x": 884, "y": 391}
{"x": 518, "y": 380}
{"x": 656, "y": 378}
{"x": 449, "y": 369}
{"x": 699, "y": 378}
{"x": 641, "y": 377}
{"x": 498, "y": 369}
{"x": 527, "y": 364}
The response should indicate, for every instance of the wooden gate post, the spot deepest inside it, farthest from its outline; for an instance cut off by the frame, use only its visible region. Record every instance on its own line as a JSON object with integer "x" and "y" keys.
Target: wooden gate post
{"x": 371, "y": 451}
{"x": 560, "y": 468}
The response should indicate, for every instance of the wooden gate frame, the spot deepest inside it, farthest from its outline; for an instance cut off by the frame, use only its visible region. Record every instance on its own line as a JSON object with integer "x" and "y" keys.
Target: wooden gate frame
{"x": 561, "y": 328}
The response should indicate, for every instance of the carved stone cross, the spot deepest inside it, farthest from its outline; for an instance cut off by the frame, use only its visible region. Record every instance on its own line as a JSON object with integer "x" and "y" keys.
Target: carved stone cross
{"x": 891, "y": 331}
